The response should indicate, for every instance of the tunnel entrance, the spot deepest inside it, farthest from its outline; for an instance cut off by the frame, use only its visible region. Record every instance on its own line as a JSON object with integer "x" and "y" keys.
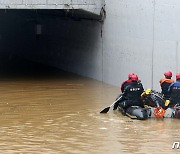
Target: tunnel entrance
{"x": 45, "y": 41}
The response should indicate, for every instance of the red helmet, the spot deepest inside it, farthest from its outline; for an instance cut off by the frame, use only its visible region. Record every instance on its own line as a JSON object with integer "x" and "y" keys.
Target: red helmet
{"x": 168, "y": 74}
{"x": 134, "y": 78}
{"x": 130, "y": 75}
{"x": 177, "y": 76}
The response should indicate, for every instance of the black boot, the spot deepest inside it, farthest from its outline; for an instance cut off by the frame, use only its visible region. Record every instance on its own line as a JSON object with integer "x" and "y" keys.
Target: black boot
{"x": 115, "y": 106}
{"x": 118, "y": 99}
{"x": 122, "y": 107}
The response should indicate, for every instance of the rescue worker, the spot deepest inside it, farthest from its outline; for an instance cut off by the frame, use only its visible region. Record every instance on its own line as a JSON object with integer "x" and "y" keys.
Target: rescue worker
{"x": 152, "y": 98}
{"x": 174, "y": 90}
{"x": 123, "y": 85}
{"x": 165, "y": 83}
{"x": 132, "y": 95}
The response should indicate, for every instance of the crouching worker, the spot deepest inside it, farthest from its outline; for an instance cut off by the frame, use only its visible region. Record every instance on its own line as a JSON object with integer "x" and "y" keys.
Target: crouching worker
{"x": 165, "y": 83}
{"x": 155, "y": 102}
{"x": 174, "y": 90}
{"x": 132, "y": 95}
{"x": 123, "y": 86}
{"x": 153, "y": 99}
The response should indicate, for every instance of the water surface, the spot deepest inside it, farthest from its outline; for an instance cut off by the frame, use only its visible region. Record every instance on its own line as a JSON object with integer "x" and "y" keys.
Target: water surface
{"x": 61, "y": 115}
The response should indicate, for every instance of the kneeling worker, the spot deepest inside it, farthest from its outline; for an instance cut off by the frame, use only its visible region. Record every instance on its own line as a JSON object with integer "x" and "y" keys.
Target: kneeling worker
{"x": 132, "y": 94}
{"x": 165, "y": 83}
{"x": 174, "y": 90}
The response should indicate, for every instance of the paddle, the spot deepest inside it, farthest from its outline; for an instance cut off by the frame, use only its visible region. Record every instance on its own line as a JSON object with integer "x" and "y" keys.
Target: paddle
{"x": 107, "y": 108}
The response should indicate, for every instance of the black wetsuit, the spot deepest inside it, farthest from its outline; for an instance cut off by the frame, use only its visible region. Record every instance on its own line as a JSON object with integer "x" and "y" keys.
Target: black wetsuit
{"x": 132, "y": 95}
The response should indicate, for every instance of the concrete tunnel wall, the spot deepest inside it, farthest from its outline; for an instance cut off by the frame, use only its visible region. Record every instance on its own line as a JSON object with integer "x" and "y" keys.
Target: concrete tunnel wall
{"x": 139, "y": 36}
{"x": 143, "y": 36}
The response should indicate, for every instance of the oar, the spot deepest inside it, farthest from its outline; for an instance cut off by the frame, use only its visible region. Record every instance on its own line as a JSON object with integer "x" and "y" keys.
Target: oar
{"x": 107, "y": 108}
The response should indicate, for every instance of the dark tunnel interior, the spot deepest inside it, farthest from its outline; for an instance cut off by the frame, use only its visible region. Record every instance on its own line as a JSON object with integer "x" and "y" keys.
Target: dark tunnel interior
{"x": 19, "y": 37}
{"x": 39, "y": 43}
{"x": 22, "y": 41}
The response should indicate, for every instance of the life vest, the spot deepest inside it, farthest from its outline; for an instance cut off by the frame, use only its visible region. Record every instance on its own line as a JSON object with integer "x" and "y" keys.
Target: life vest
{"x": 165, "y": 83}
{"x": 166, "y": 80}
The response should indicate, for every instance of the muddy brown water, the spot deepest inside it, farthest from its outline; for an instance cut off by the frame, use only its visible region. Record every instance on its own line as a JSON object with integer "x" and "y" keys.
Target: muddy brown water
{"x": 61, "y": 115}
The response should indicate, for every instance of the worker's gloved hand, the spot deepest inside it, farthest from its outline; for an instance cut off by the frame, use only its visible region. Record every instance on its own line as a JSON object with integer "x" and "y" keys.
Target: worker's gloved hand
{"x": 167, "y": 102}
{"x": 115, "y": 106}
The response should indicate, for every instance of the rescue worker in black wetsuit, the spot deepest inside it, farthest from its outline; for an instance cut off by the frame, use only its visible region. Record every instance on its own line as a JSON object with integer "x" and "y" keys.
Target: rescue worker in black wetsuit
{"x": 174, "y": 90}
{"x": 165, "y": 83}
{"x": 132, "y": 95}
{"x": 123, "y": 86}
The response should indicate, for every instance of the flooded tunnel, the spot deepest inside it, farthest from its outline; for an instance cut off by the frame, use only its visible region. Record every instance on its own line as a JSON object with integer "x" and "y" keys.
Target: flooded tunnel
{"x": 45, "y": 41}
{"x": 62, "y": 116}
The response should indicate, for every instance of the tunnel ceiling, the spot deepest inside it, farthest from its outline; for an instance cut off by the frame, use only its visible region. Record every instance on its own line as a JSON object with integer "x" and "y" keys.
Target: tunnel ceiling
{"x": 91, "y": 6}
{"x": 88, "y": 9}
{"x": 73, "y": 14}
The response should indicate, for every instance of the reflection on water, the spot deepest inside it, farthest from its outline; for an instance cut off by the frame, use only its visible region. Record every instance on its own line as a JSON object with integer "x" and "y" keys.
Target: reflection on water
{"x": 61, "y": 115}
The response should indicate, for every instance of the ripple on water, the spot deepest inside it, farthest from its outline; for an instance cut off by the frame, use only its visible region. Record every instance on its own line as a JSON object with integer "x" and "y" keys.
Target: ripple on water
{"x": 103, "y": 128}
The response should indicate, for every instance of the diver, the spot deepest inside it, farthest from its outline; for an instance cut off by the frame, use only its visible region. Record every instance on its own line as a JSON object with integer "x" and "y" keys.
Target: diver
{"x": 155, "y": 102}
{"x": 152, "y": 98}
